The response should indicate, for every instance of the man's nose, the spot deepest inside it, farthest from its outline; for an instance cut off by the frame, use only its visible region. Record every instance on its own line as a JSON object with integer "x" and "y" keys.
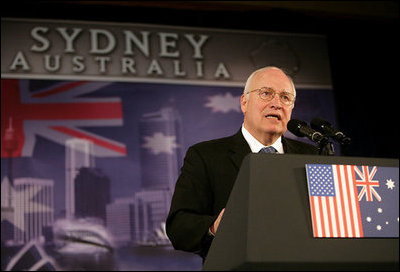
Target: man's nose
{"x": 276, "y": 102}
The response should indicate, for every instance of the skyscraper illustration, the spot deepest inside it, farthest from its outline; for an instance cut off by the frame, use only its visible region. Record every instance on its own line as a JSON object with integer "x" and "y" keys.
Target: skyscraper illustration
{"x": 120, "y": 220}
{"x": 10, "y": 145}
{"x": 79, "y": 153}
{"x": 34, "y": 207}
{"x": 92, "y": 193}
{"x": 7, "y": 211}
{"x": 161, "y": 146}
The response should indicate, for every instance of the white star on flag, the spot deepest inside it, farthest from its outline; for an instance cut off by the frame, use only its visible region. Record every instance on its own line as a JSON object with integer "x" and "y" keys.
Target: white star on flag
{"x": 223, "y": 103}
{"x": 160, "y": 143}
{"x": 390, "y": 184}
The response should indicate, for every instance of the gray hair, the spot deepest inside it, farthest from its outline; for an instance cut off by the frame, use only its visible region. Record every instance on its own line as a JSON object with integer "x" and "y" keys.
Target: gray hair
{"x": 249, "y": 79}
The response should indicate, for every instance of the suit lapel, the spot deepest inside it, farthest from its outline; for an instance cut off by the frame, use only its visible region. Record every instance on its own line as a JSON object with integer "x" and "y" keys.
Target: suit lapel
{"x": 287, "y": 148}
{"x": 239, "y": 149}
{"x": 290, "y": 147}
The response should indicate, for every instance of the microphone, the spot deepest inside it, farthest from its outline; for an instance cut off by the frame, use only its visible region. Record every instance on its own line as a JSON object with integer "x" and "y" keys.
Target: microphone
{"x": 301, "y": 129}
{"x": 325, "y": 127}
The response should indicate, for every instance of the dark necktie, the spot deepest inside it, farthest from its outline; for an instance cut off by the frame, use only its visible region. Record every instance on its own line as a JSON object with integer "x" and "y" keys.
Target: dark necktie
{"x": 268, "y": 149}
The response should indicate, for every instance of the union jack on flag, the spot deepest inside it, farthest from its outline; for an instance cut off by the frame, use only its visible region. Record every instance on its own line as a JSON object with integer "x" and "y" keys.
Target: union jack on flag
{"x": 349, "y": 201}
{"x": 56, "y": 111}
{"x": 367, "y": 183}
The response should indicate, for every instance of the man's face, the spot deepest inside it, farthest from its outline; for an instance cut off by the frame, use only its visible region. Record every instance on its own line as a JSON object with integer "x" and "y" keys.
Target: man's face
{"x": 267, "y": 118}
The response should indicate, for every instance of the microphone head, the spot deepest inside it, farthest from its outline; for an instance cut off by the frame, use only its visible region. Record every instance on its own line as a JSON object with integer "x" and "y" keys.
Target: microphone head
{"x": 319, "y": 123}
{"x": 325, "y": 127}
{"x": 294, "y": 126}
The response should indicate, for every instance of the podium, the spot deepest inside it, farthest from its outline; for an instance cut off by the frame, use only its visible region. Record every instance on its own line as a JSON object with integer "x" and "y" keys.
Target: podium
{"x": 267, "y": 222}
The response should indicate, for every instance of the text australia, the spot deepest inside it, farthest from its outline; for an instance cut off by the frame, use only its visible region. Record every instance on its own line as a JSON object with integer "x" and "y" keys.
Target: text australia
{"x": 139, "y": 55}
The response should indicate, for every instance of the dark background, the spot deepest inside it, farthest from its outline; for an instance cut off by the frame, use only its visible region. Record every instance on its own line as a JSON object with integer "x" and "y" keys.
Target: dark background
{"x": 362, "y": 42}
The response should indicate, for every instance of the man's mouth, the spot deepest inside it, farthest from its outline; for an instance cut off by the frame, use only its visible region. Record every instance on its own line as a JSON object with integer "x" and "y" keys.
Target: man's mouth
{"x": 273, "y": 116}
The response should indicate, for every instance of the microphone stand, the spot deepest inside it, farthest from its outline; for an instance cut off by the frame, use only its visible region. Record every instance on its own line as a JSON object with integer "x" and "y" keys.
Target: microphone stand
{"x": 326, "y": 148}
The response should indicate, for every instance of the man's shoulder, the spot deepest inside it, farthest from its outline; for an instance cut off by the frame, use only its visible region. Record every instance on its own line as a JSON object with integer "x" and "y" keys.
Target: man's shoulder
{"x": 217, "y": 143}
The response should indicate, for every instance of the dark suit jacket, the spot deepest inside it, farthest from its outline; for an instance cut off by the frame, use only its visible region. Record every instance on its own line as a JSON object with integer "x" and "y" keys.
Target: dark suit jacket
{"x": 209, "y": 171}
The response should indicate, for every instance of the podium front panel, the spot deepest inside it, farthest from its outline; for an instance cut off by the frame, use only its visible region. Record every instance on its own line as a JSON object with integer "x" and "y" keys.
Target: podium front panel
{"x": 267, "y": 222}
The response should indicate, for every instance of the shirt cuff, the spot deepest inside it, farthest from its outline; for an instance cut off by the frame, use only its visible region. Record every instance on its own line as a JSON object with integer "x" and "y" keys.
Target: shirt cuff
{"x": 210, "y": 233}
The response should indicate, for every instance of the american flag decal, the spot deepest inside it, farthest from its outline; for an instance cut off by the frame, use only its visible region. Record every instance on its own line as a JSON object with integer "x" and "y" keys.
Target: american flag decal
{"x": 338, "y": 208}
{"x": 57, "y": 112}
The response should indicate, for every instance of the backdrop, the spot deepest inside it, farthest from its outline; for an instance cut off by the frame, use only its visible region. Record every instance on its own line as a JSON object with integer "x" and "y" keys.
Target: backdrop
{"x": 96, "y": 119}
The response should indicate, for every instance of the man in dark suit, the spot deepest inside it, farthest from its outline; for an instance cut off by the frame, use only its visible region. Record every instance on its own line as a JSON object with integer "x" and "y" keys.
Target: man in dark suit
{"x": 210, "y": 168}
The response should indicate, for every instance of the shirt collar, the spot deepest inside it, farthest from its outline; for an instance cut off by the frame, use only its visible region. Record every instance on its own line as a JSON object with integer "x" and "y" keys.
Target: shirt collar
{"x": 255, "y": 145}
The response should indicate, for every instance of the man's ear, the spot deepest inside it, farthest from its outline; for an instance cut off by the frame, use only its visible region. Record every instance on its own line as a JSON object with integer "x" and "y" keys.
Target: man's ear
{"x": 243, "y": 103}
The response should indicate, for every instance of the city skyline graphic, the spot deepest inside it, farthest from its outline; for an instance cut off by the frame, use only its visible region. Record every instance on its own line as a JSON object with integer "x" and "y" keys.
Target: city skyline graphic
{"x": 100, "y": 184}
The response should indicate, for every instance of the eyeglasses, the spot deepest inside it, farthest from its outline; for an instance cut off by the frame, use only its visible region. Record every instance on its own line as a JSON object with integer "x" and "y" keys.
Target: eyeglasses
{"x": 267, "y": 94}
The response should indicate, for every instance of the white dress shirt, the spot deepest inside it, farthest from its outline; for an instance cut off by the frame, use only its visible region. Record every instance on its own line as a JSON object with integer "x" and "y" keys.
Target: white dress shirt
{"x": 256, "y": 146}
